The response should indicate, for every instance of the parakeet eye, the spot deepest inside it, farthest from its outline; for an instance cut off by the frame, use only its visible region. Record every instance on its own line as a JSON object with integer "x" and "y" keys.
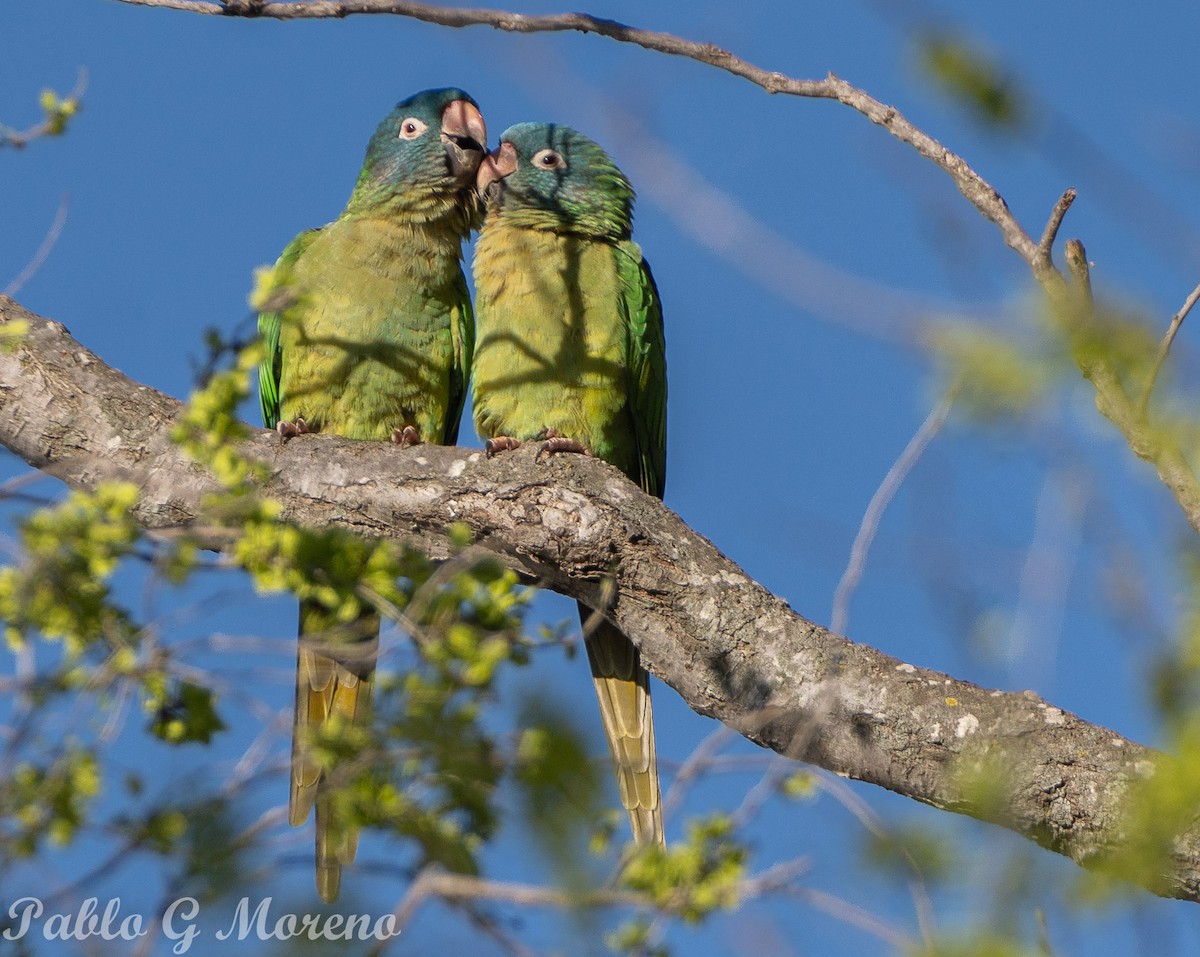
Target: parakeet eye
{"x": 411, "y": 128}
{"x": 548, "y": 159}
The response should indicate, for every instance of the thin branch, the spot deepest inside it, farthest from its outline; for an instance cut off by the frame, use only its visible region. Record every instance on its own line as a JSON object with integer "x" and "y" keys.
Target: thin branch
{"x": 1045, "y": 248}
{"x": 696, "y": 763}
{"x": 43, "y": 251}
{"x": 1080, "y": 272}
{"x": 1075, "y": 305}
{"x": 1165, "y": 347}
{"x": 878, "y": 505}
{"x": 977, "y": 190}
{"x": 463, "y": 888}
{"x": 855, "y": 916}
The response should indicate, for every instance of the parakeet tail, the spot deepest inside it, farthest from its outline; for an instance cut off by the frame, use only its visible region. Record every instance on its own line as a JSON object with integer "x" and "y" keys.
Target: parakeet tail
{"x": 335, "y": 674}
{"x": 623, "y": 690}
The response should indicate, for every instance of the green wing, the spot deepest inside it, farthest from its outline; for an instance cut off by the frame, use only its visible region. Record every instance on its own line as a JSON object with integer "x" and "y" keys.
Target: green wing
{"x": 462, "y": 330}
{"x": 271, "y": 365}
{"x": 646, "y": 365}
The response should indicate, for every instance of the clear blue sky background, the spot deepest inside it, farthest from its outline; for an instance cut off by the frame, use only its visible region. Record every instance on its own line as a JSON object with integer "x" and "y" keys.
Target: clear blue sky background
{"x": 206, "y": 143}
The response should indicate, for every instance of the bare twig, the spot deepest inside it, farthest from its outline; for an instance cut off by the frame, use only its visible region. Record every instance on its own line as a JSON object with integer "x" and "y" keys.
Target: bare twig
{"x": 878, "y": 505}
{"x": 696, "y": 763}
{"x": 432, "y": 882}
{"x": 1045, "y": 248}
{"x": 43, "y": 251}
{"x": 977, "y": 190}
{"x": 1080, "y": 272}
{"x": 1165, "y": 347}
{"x": 460, "y": 888}
{"x": 854, "y": 915}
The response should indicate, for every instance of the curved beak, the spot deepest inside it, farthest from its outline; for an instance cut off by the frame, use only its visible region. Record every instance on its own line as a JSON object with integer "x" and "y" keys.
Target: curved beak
{"x": 464, "y": 135}
{"x": 499, "y": 163}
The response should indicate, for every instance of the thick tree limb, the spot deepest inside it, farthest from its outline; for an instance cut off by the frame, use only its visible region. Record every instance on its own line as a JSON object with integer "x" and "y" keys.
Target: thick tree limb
{"x": 731, "y": 649}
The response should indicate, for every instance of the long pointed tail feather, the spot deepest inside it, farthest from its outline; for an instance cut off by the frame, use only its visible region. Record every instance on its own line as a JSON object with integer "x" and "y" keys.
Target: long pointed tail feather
{"x": 623, "y": 692}
{"x": 335, "y": 672}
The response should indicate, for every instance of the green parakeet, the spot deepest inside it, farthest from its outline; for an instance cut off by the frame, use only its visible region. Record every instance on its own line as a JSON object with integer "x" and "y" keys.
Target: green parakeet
{"x": 376, "y": 345}
{"x": 570, "y": 350}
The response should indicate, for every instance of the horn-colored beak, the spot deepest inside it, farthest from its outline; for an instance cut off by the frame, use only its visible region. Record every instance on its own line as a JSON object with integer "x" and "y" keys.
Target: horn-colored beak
{"x": 499, "y": 163}
{"x": 465, "y": 137}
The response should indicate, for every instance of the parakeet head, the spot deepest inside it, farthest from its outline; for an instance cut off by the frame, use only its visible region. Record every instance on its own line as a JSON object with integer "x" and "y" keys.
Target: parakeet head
{"x": 428, "y": 147}
{"x": 546, "y": 176}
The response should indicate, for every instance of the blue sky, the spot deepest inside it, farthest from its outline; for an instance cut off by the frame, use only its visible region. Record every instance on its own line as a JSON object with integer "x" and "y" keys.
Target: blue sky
{"x": 205, "y": 144}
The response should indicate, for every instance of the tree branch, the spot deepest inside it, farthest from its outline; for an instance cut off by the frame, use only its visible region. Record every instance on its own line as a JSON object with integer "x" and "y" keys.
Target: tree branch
{"x": 1075, "y": 306}
{"x": 1164, "y": 347}
{"x": 732, "y": 650}
{"x": 981, "y": 194}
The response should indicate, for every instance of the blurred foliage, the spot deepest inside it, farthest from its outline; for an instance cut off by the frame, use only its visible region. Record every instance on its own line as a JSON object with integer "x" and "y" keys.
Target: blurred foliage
{"x": 908, "y": 851}
{"x": 973, "y": 79}
{"x": 61, "y": 588}
{"x": 1006, "y": 375}
{"x": 427, "y": 770}
{"x": 693, "y": 877}
{"x": 58, "y": 110}
{"x": 47, "y": 800}
{"x": 982, "y": 944}
{"x": 180, "y": 711}
{"x": 561, "y": 789}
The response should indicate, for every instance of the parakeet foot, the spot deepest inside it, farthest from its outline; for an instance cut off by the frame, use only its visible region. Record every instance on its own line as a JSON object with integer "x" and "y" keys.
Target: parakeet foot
{"x": 406, "y": 436}
{"x": 501, "y": 443}
{"x": 556, "y": 442}
{"x": 289, "y": 430}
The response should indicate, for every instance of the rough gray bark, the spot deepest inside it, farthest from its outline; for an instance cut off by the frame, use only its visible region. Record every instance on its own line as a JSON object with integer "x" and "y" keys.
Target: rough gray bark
{"x": 731, "y": 649}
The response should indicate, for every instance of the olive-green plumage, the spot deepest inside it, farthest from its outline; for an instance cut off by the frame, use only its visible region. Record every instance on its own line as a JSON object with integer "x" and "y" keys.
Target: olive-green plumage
{"x": 376, "y": 344}
{"x": 570, "y": 344}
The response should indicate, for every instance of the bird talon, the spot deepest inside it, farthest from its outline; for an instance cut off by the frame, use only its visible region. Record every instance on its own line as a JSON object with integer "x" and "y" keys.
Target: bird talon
{"x": 556, "y": 443}
{"x": 501, "y": 443}
{"x": 406, "y": 437}
{"x": 289, "y": 430}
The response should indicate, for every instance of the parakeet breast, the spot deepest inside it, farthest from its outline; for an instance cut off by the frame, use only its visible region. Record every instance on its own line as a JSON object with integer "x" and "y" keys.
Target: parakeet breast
{"x": 550, "y": 350}
{"x": 368, "y": 348}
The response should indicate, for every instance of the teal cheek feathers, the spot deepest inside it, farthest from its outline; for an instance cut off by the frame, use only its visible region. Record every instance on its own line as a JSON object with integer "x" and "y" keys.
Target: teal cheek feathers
{"x": 587, "y": 194}
{"x": 436, "y": 137}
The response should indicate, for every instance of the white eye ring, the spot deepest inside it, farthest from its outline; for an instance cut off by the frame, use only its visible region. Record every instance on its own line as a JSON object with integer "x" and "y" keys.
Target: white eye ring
{"x": 411, "y": 128}
{"x": 548, "y": 159}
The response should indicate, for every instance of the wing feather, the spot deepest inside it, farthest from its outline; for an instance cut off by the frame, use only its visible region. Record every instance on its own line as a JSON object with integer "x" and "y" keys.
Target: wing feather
{"x": 646, "y": 366}
{"x": 270, "y": 367}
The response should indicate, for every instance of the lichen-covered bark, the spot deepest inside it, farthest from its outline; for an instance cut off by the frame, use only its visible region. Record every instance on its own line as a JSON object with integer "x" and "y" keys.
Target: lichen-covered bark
{"x": 730, "y": 648}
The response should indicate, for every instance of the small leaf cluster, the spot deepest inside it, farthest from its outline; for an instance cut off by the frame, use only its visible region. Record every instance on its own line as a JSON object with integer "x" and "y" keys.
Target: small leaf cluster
{"x": 694, "y": 877}
{"x": 343, "y": 573}
{"x": 61, "y": 588}
{"x": 47, "y": 800}
{"x": 428, "y": 768}
{"x": 180, "y": 711}
{"x": 998, "y": 376}
{"x": 59, "y": 111}
{"x": 209, "y": 428}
